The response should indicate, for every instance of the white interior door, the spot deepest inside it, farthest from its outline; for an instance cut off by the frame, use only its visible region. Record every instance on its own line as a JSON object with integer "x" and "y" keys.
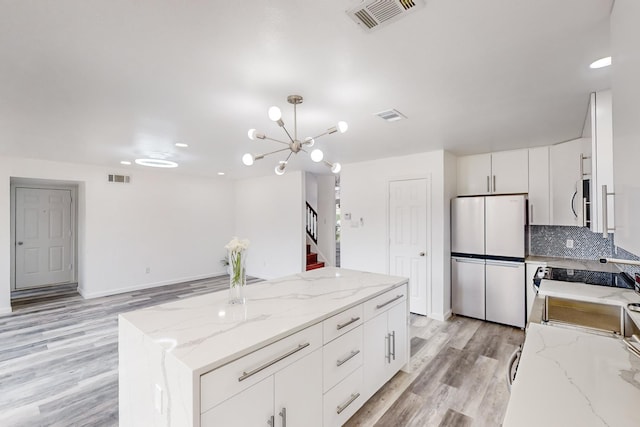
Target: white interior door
{"x": 408, "y": 238}
{"x": 43, "y": 237}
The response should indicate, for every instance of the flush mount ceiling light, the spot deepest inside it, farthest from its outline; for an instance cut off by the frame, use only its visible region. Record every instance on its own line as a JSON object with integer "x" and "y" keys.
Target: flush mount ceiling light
{"x": 601, "y": 63}
{"x": 294, "y": 145}
{"x": 181, "y": 145}
{"x": 125, "y": 162}
{"x": 156, "y": 163}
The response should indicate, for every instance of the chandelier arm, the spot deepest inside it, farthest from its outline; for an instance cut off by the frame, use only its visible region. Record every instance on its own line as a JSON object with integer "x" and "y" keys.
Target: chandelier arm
{"x": 288, "y": 157}
{"x": 289, "y": 135}
{"x": 276, "y": 140}
{"x": 322, "y": 134}
{"x": 262, "y": 156}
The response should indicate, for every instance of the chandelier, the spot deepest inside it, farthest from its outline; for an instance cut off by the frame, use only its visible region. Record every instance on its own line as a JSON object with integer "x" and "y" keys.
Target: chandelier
{"x": 294, "y": 145}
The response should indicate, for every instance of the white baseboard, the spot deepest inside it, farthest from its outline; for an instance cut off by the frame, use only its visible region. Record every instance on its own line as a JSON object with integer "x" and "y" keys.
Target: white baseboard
{"x": 89, "y": 295}
{"x": 5, "y": 310}
{"x": 441, "y": 317}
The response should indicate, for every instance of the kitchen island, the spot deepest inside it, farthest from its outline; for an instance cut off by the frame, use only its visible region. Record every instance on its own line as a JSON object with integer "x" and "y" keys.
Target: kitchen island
{"x": 570, "y": 376}
{"x": 311, "y": 347}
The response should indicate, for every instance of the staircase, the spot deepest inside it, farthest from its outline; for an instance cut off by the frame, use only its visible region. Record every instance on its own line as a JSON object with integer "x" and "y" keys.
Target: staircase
{"x": 312, "y": 260}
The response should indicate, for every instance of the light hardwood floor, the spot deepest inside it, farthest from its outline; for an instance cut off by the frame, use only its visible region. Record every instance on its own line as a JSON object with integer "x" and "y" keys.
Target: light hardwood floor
{"x": 59, "y": 361}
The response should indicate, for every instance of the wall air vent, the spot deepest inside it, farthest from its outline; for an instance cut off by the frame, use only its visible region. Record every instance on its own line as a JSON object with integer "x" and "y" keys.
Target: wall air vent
{"x": 391, "y": 115}
{"x": 123, "y": 179}
{"x": 371, "y": 14}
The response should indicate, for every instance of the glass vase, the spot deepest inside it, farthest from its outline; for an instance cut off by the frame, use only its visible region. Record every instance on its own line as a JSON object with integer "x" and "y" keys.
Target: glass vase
{"x": 237, "y": 276}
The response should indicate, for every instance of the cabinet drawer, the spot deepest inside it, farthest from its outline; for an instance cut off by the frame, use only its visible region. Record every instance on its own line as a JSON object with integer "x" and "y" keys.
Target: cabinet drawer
{"x": 341, "y": 357}
{"x": 341, "y": 402}
{"x": 383, "y": 302}
{"x": 342, "y": 323}
{"x": 221, "y": 383}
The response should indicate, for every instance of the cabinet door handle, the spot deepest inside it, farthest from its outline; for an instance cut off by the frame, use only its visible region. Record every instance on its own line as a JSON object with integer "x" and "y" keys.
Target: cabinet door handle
{"x": 494, "y": 183}
{"x": 488, "y": 184}
{"x": 344, "y": 325}
{"x": 271, "y": 421}
{"x": 246, "y": 375}
{"x": 531, "y": 213}
{"x": 346, "y": 359}
{"x": 346, "y": 404}
{"x": 283, "y": 414}
{"x": 605, "y": 212}
{"x": 387, "y": 351}
{"x": 379, "y": 306}
{"x": 393, "y": 335}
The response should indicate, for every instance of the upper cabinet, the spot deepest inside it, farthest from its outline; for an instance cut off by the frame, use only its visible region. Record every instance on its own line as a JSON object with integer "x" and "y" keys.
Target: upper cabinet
{"x": 625, "y": 33}
{"x": 599, "y": 129}
{"x": 539, "y": 190}
{"x": 504, "y": 172}
{"x": 566, "y": 181}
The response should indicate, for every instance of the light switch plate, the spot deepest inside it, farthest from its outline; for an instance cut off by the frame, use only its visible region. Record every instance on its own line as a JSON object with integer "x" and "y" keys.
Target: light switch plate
{"x": 569, "y": 243}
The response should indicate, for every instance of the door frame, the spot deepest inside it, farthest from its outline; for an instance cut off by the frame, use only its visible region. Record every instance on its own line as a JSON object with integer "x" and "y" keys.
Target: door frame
{"x": 43, "y": 184}
{"x": 429, "y": 214}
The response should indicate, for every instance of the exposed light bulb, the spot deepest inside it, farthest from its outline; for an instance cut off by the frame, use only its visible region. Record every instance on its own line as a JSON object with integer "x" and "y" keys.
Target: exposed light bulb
{"x": 317, "y": 155}
{"x": 252, "y": 134}
{"x": 308, "y": 141}
{"x": 274, "y": 113}
{"x": 247, "y": 159}
{"x": 601, "y": 63}
{"x": 336, "y": 168}
{"x": 343, "y": 126}
{"x": 280, "y": 169}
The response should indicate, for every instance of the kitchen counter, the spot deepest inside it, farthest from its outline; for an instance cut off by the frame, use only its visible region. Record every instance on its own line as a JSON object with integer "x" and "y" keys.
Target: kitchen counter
{"x": 568, "y": 377}
{"x": 575, "y": 264}
{"x": 165, "y": 351}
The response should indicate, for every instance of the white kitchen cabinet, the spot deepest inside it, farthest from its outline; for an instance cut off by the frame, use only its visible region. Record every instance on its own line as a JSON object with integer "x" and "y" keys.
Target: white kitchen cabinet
{"x": 625, "y": 32}
{"x": 385, "y": 350}
{"x": 474, "y": 175}
{"x": 600, "y": 120}
{"x": 539, "y": 189}
{"x": 503, "y": 172}
{"x": 292, "y": 396}
{"x": 566, "y": 167}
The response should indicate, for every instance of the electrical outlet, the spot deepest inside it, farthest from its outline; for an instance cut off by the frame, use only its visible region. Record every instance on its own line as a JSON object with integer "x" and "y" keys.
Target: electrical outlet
{"x": 569, "y": 243}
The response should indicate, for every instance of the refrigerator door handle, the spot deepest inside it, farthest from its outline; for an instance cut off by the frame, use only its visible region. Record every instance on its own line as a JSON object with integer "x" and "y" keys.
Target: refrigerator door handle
{"x": 468, "y": 260}
{"x": 512, "y": 264}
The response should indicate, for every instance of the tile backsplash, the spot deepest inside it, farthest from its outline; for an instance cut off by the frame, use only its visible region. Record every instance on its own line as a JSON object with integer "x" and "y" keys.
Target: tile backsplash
{"x": 551, "y": 241}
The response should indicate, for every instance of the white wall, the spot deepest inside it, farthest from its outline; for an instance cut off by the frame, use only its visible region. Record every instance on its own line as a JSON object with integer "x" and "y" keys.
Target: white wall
{"x": 364, "y": 194}
{"x": 269, "y": 211}
{"x": 625, "y": 85}
{"x": 311, "y": 190}
{"x": 174, "y": 224}
{"x": 327, "y": 218}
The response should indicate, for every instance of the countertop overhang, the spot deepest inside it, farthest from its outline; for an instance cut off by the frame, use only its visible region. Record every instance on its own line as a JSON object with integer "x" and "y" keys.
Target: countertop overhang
{"x": 205, "y": 332}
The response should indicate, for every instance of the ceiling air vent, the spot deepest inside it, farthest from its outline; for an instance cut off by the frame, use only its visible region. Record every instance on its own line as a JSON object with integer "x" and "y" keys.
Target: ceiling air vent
{"x": 371, "y": 14}
{"x": 123, "y": 179}
{"x": 391, "y": 115}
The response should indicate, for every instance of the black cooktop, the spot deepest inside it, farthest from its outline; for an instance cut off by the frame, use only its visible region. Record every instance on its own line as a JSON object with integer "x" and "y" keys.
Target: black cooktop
{"x": 600, "y": 278}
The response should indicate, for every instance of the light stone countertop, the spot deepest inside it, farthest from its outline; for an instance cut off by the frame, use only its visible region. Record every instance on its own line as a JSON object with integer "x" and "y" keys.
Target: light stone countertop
{"x": 205, "y": 332}
{"x": 571, "y": 263}
{"x": 568, "y": 377}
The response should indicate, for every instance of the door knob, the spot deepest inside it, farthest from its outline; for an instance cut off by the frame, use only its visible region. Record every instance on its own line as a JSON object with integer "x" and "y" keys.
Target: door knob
{"x": 422, "y": 254}
{"x": 20, "y": 243}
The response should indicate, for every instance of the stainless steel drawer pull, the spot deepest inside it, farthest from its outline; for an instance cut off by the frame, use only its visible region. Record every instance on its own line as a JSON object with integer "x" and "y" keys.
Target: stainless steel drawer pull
{"x": 387, "y": 354}
{"x": 271, "y": 421}
{"x": 393, "y": 335}
{"x": 246, "y": 375}
{"x": 344, "y": 325}
{"x": 283, "y": 414}
{"x": 346, "y": 359}
{"x": 346, "y": 404}
{"x": 389, "y": 302}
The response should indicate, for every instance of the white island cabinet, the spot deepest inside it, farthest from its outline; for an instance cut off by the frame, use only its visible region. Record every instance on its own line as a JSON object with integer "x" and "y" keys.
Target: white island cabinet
{"x": 296, "y": 354}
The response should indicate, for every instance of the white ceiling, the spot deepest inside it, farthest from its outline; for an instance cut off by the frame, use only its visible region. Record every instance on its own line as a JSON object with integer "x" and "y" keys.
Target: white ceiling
{"x": 108, "y": 80}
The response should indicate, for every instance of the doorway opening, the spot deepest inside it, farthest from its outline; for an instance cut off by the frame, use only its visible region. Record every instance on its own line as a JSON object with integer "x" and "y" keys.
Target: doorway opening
{"x": 43, "y": 231}
{"x": 338, "y": 229}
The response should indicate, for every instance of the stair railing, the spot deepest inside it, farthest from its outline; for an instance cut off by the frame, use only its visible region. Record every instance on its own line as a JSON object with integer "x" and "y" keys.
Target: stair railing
{"x": 312, "y": 224}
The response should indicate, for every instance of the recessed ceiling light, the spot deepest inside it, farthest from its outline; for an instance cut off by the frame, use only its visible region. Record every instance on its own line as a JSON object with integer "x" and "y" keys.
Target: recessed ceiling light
{"x": 181, "y": 144}
{"x": 220, "y": 173}
{"x": 125, "y": 162}
{"x": 157, "y": 163}
{"x": 601, "y": 63}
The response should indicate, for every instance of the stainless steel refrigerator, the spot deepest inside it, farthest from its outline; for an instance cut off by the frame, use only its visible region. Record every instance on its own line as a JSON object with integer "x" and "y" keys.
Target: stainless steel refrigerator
{"x": 487, "y": 258}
